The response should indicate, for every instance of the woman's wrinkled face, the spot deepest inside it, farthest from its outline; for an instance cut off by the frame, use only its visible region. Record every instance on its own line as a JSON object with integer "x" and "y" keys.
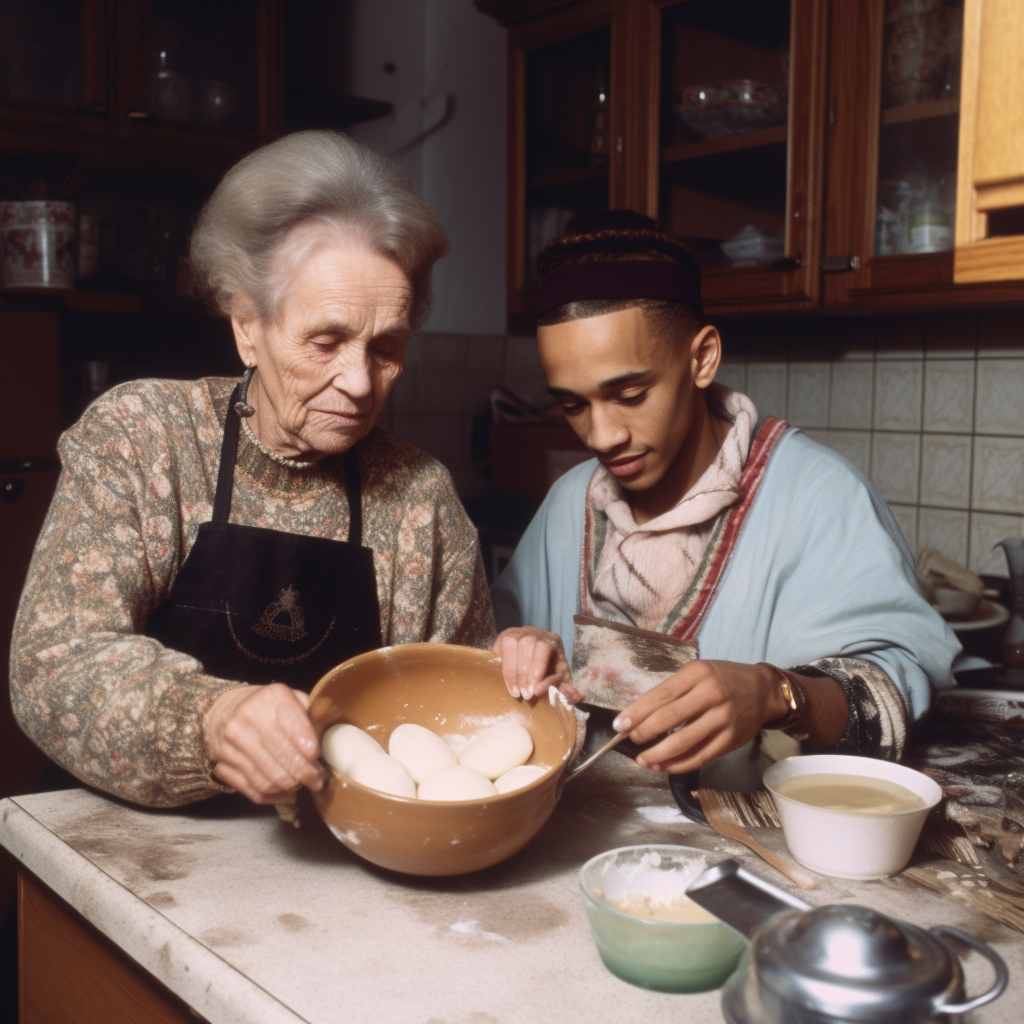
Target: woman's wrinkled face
{"x": 328, "y": 360}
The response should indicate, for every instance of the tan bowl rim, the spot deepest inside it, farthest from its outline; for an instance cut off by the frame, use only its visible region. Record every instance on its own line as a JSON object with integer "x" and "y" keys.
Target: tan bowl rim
{"x": 645, "y": 921}
{"x": 443, "y": 803}
{"x": 414, "y": 799}
{"x": 776, "y": 795}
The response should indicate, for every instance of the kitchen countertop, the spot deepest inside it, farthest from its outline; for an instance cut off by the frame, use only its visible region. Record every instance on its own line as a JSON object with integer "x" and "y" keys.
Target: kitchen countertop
{"x": 249, "y": 920}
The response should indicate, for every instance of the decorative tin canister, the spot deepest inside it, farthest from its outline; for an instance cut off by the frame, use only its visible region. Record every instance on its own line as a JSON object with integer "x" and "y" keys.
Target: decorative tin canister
{"x": 38, "y": 244}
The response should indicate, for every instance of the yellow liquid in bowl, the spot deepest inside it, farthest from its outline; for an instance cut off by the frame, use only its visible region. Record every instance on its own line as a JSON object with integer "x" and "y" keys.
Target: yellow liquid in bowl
{"x": 680, "y": 911}
{"x": 851, "y": 793}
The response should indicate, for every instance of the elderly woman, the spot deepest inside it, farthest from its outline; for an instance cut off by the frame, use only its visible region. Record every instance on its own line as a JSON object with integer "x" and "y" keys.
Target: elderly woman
{"x": 214, "y": 546}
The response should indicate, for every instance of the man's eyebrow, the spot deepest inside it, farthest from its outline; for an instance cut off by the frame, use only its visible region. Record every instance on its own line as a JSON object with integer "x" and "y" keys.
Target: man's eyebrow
{"x": 624, "y": 378}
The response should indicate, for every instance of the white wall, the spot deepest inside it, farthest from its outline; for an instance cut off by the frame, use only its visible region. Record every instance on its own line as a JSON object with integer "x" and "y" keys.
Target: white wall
{"x": 448, "y": 57}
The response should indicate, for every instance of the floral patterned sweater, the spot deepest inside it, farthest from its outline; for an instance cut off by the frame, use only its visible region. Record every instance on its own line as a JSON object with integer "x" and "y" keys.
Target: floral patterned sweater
{"x": 122, "y": 712}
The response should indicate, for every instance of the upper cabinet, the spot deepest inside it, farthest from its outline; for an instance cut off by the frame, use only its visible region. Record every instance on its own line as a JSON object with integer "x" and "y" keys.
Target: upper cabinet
{"x": 200, "y": 77}
{"x": 53, "y": 70}
{"x": 806, "y": 149}
{"x": 990, "y": 211}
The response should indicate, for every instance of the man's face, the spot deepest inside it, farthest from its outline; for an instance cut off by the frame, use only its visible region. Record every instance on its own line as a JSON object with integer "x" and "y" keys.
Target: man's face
{"x": 628, "y": 394}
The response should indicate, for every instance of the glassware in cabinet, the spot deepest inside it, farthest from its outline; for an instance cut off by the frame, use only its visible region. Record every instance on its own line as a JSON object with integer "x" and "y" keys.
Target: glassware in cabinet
{"x": 739, "y": 150}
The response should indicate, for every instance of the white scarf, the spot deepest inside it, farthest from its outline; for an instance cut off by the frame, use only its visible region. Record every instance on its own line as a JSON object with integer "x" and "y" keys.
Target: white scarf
{"x": 642, "y": 571}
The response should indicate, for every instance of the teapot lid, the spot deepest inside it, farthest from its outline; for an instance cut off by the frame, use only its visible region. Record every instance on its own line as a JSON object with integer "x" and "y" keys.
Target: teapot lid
{"x": 853, "y": 963}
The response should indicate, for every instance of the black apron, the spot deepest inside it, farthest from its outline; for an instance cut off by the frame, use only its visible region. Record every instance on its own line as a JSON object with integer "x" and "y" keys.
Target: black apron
{"x": 257, "y": 605}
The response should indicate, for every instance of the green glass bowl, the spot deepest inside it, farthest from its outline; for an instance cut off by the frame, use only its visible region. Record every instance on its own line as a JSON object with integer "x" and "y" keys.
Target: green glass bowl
{"x": 665, "y": 956}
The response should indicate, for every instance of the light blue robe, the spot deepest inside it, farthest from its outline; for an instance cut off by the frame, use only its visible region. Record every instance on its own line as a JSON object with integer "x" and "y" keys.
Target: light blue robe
{"x": 819, "y": 569}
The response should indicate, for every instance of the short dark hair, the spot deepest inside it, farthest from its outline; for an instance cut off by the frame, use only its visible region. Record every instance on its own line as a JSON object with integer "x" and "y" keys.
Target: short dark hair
{"x": 621, "y": 235}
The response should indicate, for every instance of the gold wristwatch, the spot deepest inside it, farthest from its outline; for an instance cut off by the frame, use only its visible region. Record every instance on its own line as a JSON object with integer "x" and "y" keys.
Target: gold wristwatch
{"x": 793, "y": 695}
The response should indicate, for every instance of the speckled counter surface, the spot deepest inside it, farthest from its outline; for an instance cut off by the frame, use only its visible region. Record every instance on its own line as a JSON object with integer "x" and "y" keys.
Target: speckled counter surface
{"x": 249, "y": 920}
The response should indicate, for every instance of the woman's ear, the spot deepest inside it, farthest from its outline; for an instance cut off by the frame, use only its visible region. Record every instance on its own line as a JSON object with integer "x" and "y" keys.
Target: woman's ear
{"x": 245, "y": 326}
{"x": 705, "y": 355}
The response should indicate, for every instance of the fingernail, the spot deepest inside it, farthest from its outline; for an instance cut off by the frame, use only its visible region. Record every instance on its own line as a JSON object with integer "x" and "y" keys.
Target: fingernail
{"x": 622, "y": 724}
{"x": 515, "y": 692}
{"x": 642, "y": 761}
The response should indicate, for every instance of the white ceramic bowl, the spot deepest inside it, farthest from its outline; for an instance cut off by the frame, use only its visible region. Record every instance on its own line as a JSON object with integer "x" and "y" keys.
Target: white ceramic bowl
{"x": 845, "y": 844}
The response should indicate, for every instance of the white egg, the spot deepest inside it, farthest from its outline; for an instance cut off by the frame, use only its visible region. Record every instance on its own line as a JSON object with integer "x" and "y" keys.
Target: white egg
{"x": 516, "y": 778}
{"x": 341, "y": 744}
{"x": 456, "y": 782}
{"x": 497, "y": 750}
{"x": 381, "y": 771}
{"x": 420, "y": 750}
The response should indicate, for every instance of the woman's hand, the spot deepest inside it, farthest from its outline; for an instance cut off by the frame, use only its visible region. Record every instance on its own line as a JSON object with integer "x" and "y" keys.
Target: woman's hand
{"x": 262, "y": 742}
{"x": 532, "y": 660}
{"x": 714, "y": 706}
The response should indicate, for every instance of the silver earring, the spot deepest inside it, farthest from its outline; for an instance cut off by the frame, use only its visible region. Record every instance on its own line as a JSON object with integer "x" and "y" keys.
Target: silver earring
{"x": 242, "y": 407}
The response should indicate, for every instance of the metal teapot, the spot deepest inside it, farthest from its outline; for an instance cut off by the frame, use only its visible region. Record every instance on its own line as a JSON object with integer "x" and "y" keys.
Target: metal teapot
{"x": 835, "y": 963}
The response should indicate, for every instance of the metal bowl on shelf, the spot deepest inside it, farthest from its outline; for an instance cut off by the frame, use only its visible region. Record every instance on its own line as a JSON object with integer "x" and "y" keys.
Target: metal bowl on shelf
{"x": 717, "y": 109}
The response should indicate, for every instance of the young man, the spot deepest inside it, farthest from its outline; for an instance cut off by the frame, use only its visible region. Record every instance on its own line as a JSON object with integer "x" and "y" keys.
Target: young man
{"x": 711, "y": 577}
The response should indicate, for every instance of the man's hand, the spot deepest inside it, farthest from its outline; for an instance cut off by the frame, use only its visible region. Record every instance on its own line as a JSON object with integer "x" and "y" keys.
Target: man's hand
{"x": 713, "y": 706}
{"x": 532, "y": 660}
{"x": 262, "y": 742}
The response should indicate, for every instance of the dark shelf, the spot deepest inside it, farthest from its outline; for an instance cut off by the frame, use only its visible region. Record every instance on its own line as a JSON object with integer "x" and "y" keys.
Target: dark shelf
{"x": 316, "y": 112}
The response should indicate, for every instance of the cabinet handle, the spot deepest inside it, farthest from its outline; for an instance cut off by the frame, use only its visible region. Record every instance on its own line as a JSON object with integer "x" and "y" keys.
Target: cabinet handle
{"x": 95, "y": 109}
{"x": 12, "y": 489}
{"x": 787, "y": 263}
{"x": 137, "y": 115}
{"x": 838, "y": 264}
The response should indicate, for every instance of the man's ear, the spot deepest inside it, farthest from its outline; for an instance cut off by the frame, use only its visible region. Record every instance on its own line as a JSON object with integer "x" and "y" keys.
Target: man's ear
{"x": 705, "y": 355}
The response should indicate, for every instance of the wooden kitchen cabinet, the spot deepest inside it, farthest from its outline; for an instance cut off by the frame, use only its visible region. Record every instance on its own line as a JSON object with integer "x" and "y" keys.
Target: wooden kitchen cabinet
{"x": 830, "y": 182}
{"x": 990, "y": 202}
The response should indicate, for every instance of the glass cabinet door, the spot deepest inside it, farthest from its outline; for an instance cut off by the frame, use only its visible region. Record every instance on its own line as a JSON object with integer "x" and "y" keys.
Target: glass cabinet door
{"x": 564, "y": 149}
{"x": 200, "y": 76}
{"x": 202, "y": 62}
{"x": 52, "y": 65}
{"x": 918, "y": 126}
{"x": 736, "y": 162}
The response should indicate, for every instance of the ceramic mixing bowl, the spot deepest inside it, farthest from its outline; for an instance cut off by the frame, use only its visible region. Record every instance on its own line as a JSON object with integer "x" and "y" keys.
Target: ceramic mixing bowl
{"x": 456, "y": 692}
{"x": 846, "y": 844}
{"x": 666, "y": 956}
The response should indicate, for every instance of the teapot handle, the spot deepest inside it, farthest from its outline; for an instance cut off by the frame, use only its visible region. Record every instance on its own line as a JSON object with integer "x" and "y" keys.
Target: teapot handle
{"x": 997, "y": 962}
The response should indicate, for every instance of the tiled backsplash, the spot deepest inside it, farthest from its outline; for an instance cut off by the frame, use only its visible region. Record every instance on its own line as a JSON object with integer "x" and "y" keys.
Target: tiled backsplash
{"x": 930, "y": 407}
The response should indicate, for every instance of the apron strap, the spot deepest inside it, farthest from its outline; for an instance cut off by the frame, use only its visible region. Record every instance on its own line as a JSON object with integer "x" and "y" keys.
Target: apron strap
{"x": 226, "y": 474}
{"x": 228, "y": 453}
{"x": 354, "y": 491}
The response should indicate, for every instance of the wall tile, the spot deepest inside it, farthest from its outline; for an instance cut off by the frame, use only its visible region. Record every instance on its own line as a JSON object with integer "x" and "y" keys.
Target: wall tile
{"x": 448, "y": 350}
{"x": 906, "y": 518}
{"x": 1001, "y": 333}
{"x": 945, "y": 531}
{"x": 766, "y": 388}
{"x": 898, "y": 394}
{"x": 986, "y": 530}
{"x": 821, "y": 436}
{"x": 949, "y": 395}
{"x": 521, "y": 356}
{"x": 733, "y": 375}
{"x": 895, "y": 465}
{"x": 852, "y": 395}
{"x": 900, "y": 337}
{"x": 438, "y": 392}
{"x": 854, "y": 445}
{"x": 486, "y": 352}
{"x": 998, "y": 474}
{"x": 808, "y": 394}
{"x": 476, "y": 385}
{"x": 852, "y": 338}
{"x": 946, "y": 470}
{"x": 533, "y": 387}
{"x": 1000, "y": 397}
{"x": 951, "y": 335}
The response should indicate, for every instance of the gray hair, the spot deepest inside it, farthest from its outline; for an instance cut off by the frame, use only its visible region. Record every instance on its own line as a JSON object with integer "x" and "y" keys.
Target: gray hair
{"x": 302, "y": 179}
